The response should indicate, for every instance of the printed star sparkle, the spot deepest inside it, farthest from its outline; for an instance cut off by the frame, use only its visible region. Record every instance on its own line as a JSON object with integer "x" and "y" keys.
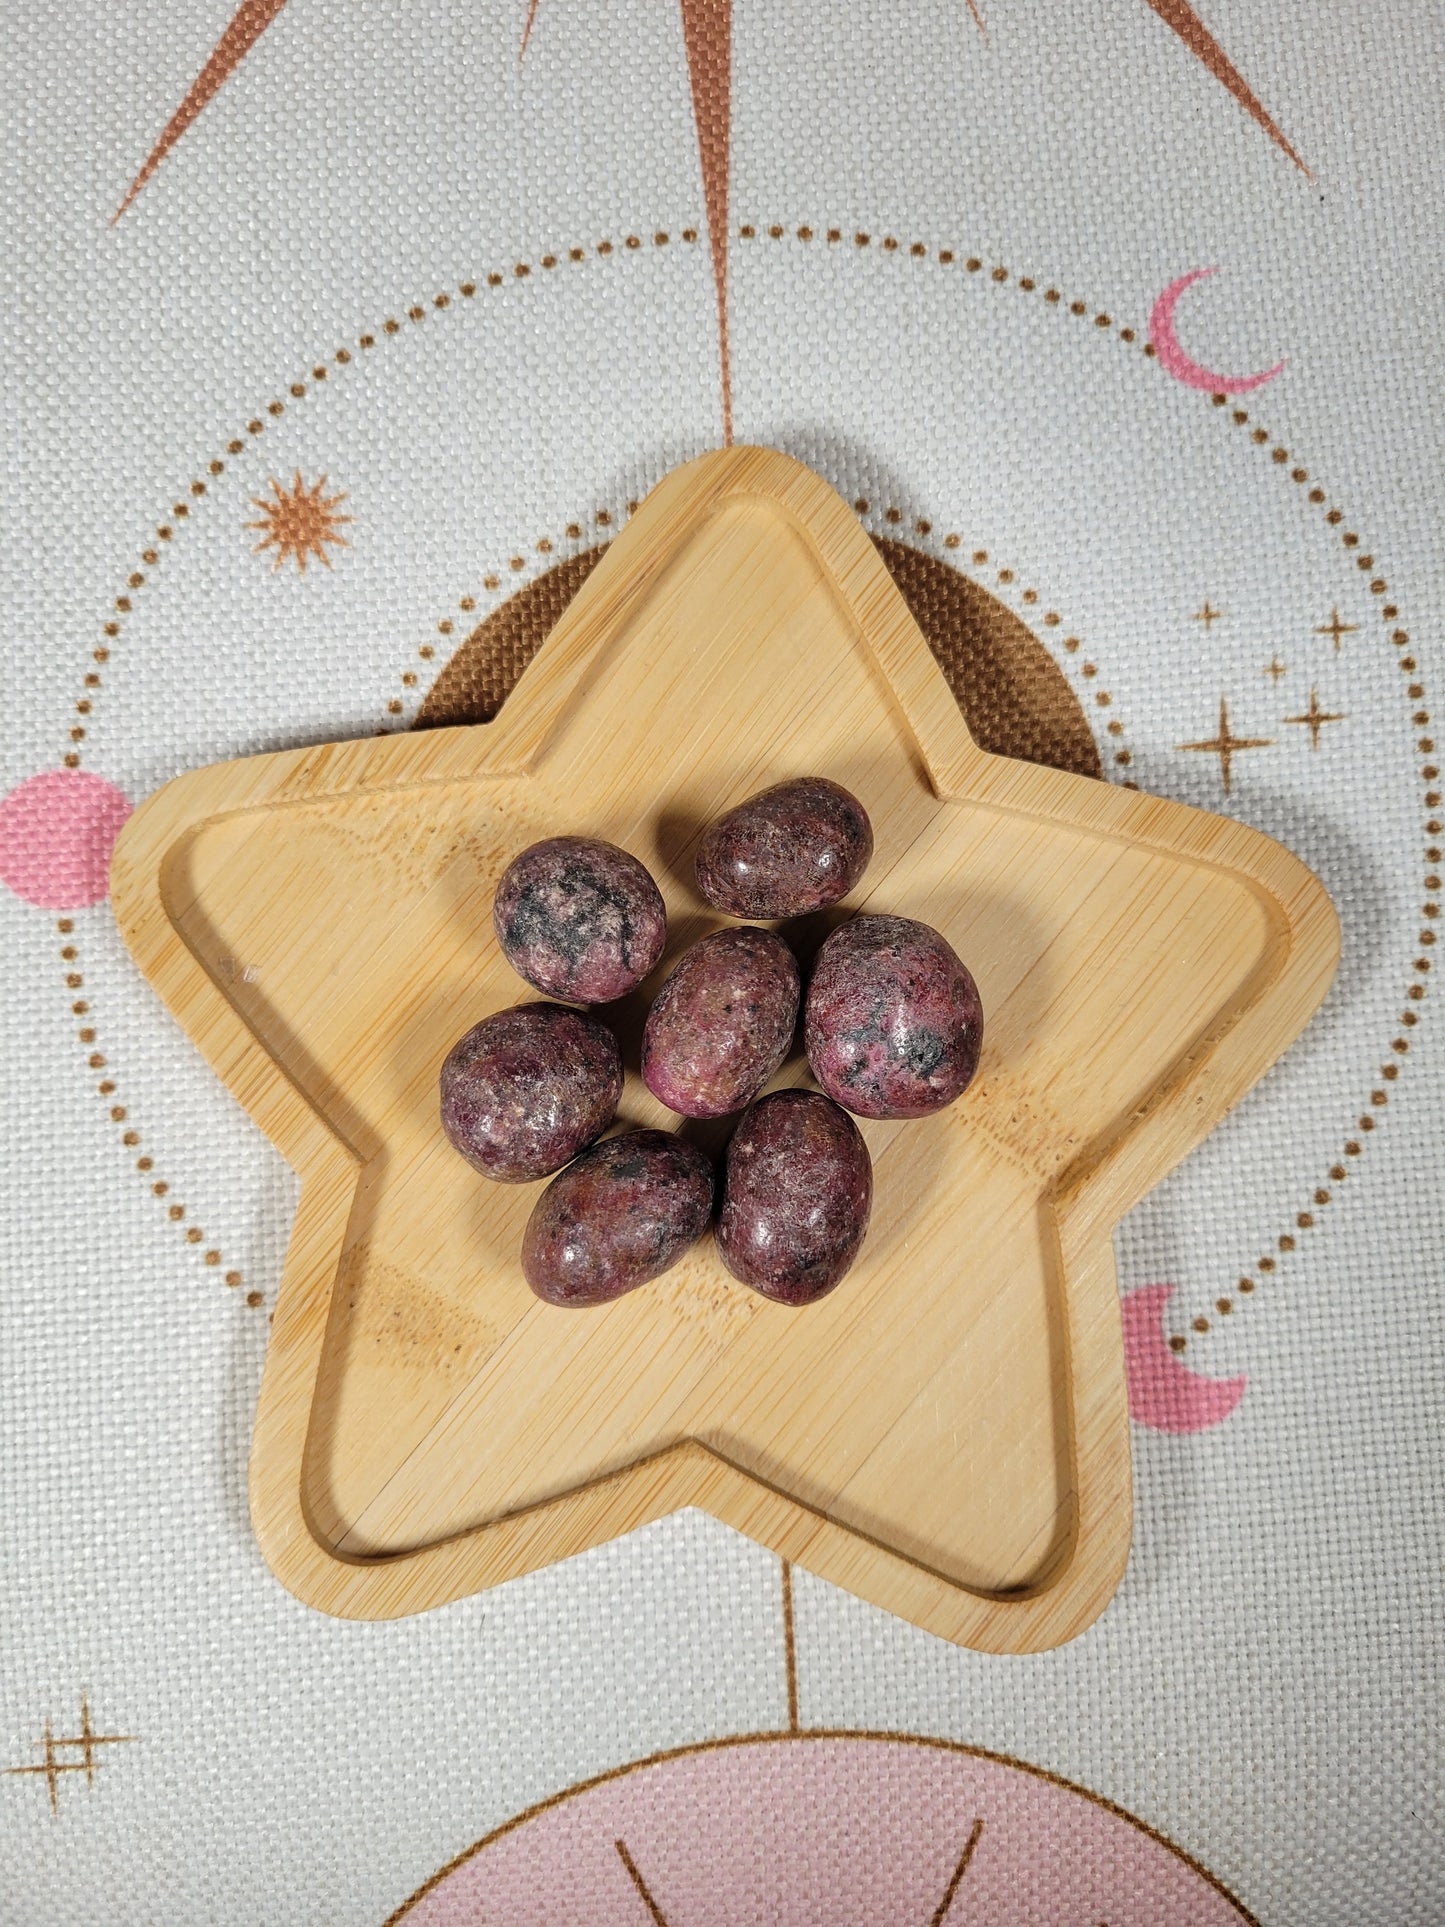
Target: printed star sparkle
{"x": 1226, "y": 745}
{"x": 52, "y": 1766}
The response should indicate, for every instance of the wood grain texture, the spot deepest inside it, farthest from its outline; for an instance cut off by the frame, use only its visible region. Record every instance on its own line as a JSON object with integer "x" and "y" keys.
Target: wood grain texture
{"x": 947, "y": 1434}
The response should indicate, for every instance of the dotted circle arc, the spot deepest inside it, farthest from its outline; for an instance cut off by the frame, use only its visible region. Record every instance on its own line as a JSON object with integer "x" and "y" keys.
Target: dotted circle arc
{"x": 998, "y": 277}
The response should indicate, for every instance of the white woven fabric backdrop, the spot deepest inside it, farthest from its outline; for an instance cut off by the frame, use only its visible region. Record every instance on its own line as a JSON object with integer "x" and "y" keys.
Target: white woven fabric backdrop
{"x": 1264, "y": 1689}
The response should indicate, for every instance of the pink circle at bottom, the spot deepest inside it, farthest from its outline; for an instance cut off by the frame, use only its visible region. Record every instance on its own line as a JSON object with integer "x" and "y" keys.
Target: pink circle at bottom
{"x": 824, "y": 1830}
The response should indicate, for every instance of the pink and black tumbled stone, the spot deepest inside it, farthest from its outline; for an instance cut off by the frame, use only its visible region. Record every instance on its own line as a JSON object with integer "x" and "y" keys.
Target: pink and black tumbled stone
{"x": 797, "y": 1193}
{"x": 785, "y": 852}
{"x": 525, "y": 1090}
{"x": 722, "y": 1023}
{"x": 893, "y": 1023}
{"x": 620, "y": 1214}
{"x": 580, "y": 919}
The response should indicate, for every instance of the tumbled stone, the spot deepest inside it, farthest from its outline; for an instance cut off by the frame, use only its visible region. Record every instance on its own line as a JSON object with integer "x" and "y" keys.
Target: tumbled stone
{"x": 579, "y": 918}
{"x": 893, "y": 1023}
{"x": 797, "y": 1194}
{"x": 722, "y": 1023}
{"x": 620, "y": 1214}
{"x": 789, "y": 850}
{"x": 525, "y": 1090}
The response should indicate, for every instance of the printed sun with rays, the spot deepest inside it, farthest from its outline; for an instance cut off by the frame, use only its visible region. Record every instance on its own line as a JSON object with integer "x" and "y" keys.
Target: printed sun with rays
{"x": 707, "y": 35}
{"x": 299, "y": 522}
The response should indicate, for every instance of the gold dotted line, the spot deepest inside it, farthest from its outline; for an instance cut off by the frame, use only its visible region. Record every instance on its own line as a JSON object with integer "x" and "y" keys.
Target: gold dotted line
{"x": 105, "y": 1087}
{"x": 1006, "y": 578}
{"x": 166, "y": 532}
{"x": 892, "y": 517}
{"x": 946, "y": 257}
{"x": 604, "y": 521}
{"x": 162, "y": 544}
{"x": 1324, "y": 1194}
{"x": 1000, "y": 276}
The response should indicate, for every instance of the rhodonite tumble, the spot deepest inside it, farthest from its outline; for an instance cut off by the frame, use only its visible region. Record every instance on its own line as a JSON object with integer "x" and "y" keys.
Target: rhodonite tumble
{"x": 786, "y": 851}
{"x": 722, "y": 1023}
{"x": 893, "y": 1025}
{"x": 579, "y": 918}
{"x": 620, "y": 1214}
{"x": 525, "y": 1090}
{"x": 796, "y": 1197}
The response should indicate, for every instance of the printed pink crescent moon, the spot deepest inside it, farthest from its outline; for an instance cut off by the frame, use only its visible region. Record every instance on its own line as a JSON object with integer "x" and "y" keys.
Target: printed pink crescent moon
{"x": 1172, "y": 357}
{"x": 1164, "y": 1394}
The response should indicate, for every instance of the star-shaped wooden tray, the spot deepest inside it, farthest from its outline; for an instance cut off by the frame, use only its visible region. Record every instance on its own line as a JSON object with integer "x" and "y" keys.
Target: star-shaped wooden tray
{"x": 947, "y": 1434}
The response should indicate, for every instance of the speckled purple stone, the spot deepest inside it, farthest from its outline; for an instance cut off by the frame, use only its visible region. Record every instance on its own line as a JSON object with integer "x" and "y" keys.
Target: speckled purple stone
{"x": 787, "y": 851}
{"x": 796, "y": 1197}
{"x": 580, "y": 919}
{"x": 620, "y": 1214}
{"x": 525, "y": 1090}
{"x": 722, "y": 1023}
{"x": 893, "y": 1024}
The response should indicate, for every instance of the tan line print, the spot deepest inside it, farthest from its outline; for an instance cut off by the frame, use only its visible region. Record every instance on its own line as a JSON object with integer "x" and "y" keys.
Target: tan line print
{"x": 249, "y": 22}
{"x": 940, "y": 1913}
{"x": 707, "y": 38}
{"x": 937, "y": 1918}
{"x": 1202, "y": 44}
{"x": 790, "y": 1647}
{"x": 710, "y": 77}
{"x": 641, "y": 1885}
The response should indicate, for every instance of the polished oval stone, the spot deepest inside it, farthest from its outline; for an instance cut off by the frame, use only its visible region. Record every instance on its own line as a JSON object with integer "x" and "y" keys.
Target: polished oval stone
{"x": 579, "y": 918}
{"x": 722, "y": 1023}
{"x": 797, "y": 1193}
{"x": 893, "y": 1023}
{"x": 527, "y": 1089}
{"x": 789, "y": 850}
{"x": 620, "y": 1214}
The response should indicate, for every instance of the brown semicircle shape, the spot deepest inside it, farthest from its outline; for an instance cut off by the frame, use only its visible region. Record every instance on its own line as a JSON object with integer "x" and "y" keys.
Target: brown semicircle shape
{"x": 1014, "y": 697}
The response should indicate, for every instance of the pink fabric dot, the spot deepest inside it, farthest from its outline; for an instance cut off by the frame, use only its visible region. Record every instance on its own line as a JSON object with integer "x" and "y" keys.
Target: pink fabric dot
{"x": 57, "y": 831}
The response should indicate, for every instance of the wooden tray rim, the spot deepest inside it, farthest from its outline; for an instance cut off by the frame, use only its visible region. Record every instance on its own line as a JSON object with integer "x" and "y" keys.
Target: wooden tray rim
{"x": 1086, "y": 1202}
